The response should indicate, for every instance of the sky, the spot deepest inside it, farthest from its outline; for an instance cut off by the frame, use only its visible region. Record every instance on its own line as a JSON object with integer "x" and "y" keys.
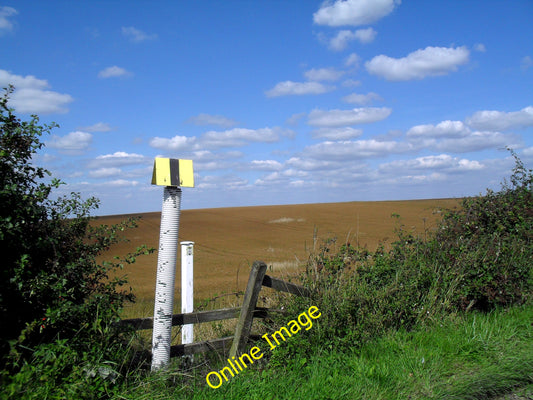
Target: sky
{"x": 276, "y": 102}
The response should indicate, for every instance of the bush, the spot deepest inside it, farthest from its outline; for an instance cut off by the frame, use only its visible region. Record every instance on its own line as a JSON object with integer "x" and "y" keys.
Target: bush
{"x": 480, "y": 257}
{"x": 53, "y": 293}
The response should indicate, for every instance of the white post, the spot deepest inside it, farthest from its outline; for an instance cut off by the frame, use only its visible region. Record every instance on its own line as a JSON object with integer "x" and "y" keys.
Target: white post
{"x": 166, "y": 274}
{"x": 187, "y": 289}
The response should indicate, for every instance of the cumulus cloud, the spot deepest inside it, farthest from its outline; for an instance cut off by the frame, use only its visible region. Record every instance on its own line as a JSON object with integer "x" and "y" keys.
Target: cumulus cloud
{"x": 98, "y": 127}
{"x": 345, "y": 133}
{"x": 239, "y": 137}
{"x": 114, "y": 72}
{"x": 361, "y": 99}
{"x": 177, "y": 142}
{"x": 323, "y": 74}
{"x": 475, "y": 141}
{"x": 265, "y": 165}
{"x": 435, "y": 162}
{"x": 335, "y": 118}
{"x": 501, "y": 121}
{"x": 341, "y": 41}
{"x": 431, "y": 61}
{"x": 236, "y": 137}
{"x": 353, "y": 150}
{"x": 350, "y": 83}
{"x": 208, "y": 119}
{"x": 105, "y": 172}
{"x": 365, "y": 35}
{"x": 72, "y": 143}
{"x": 5, "y": 14}
{"x": 526, "y": 63}
{"x": 289, "y": 88}
{"x": 118, "y": 159}
{"x": 353, "y": 12}
{"x": 352, "y": 60}
{"x": 442, "y": 130}
{"x": 30, "y": 95}
{"x": 136, "y": 35}
{"x": 344, "y": 37}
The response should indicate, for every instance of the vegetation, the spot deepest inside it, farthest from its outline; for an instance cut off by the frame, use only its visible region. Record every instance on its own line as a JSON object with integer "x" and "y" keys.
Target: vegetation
{"x": 445, "y": 314}
{"x": 57, "y": 303}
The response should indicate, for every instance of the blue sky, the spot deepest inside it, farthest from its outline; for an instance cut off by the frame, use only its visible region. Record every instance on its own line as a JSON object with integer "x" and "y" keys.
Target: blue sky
{"x": 276, "y": 102}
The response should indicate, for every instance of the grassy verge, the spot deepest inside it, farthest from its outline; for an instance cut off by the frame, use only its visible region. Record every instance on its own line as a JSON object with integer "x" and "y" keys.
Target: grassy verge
{"x": 477, "y": 356}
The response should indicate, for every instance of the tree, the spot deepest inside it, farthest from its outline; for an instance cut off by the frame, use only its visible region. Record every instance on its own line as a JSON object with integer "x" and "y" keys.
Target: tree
{"x": 51, "y": 286}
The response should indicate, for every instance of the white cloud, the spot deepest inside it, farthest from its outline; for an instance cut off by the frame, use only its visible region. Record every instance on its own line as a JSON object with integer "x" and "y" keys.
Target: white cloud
{"x": 528, "y": 152}
{"x": 121, "y": 183}
{"x": 175, "y": 143}
{"x": 5, "y": 13}
{"x": 114, "y": 72}
{"x": 353, "y": 12}
{"x": 105, "y": 172}
{"x": 526, "y": 63}
{"x": 309, "y": 164}
{"x": 72, "y": 143}
{"x": 236, "y": 137}
{"x": 501, "y": 121}
{"x": 98, "y": 127}
{"x": 475, "y": 141}
{"x": 353, "y": 150}
{"x": 323, "y": 74}
{"x": 207, "y": 119}
{"x": 361, "y": 99}
{"x": 438, "y": 162}
{"x": 31, "y": 97}
{"x": 351, "y": 83}
{"x": 480, "y": 47}
{"x": 289, "y": 88}
{"x": 365, "y": 35}
{"x": 344, "y": 37}
{"x": 431, "y": 61}
{"x": 352, "y": 60}
{"x": 445, "y": 129}
{"x": 239, "y": 137}
{"x": 117, "y": 159}
{"x": 334, "y": 118}
{"x": 136, "y": 35}
{"x": 345, "y": 133}
{"x": 340, "y": 42}
{"x": 265, "y": 165}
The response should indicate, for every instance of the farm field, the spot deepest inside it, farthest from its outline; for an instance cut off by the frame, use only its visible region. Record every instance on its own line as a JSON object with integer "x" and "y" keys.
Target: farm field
{"x": 228, "y": 240}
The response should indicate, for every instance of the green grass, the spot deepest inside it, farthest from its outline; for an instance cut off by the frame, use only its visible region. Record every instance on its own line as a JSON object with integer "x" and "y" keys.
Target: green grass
{"x": 477, "y": 356}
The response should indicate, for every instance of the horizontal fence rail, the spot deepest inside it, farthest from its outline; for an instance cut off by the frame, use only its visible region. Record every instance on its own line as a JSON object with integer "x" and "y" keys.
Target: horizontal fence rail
{"x": 246, "y": 314}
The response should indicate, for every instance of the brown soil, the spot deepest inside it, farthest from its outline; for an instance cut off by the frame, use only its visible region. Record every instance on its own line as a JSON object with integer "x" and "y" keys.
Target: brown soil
{"x": 228, "y": 240}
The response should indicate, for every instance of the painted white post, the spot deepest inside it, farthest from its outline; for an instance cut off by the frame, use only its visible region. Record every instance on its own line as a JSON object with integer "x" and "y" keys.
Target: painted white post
{"x": 187, "y": 289}
{"x": 170, "y": 173}
{"x": 166, "y": 276}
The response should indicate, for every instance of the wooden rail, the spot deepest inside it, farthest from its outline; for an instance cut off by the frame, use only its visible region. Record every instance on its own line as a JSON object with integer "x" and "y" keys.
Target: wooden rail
{"x": 246, "y": 314}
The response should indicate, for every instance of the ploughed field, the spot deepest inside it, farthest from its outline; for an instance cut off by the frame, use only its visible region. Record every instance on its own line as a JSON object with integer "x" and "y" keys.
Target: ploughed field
{"x": 228, "y": 240}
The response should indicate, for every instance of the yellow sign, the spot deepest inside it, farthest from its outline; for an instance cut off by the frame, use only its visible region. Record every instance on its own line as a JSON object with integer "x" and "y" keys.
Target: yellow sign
{"x": 173, "y": 172}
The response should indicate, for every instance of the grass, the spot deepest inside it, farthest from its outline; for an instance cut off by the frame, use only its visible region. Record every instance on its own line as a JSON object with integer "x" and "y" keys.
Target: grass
{"x": 477, "y": 356}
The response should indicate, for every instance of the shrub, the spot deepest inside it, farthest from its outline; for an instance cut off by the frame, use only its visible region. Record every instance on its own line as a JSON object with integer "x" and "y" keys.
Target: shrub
{"x": 53, "y": 293}
{"x": 480, "y": 257}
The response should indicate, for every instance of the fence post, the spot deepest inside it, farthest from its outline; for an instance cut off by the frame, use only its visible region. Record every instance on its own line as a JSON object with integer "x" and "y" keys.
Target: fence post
{"x": 244, "y": 325}
{"x": 170, "y": 173}
{"x": 187, "y": 289}
{"x": 166, "y": 273}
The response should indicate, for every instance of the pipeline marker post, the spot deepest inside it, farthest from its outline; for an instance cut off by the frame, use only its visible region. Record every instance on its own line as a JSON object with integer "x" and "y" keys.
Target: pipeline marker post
{"x": 187, "y": 289}
{"x": 171, "y": 173}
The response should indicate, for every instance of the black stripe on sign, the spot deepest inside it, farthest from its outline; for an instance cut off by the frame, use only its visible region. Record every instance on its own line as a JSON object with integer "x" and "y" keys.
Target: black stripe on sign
{"x": 174, "y": 172}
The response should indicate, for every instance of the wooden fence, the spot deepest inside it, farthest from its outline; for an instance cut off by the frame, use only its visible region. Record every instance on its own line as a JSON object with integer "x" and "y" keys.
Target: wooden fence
{"x": 245, "y": 314}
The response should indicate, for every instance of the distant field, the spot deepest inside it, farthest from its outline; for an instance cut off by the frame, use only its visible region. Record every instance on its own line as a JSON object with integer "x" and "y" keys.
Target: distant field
{"x": 228, "y": 240}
